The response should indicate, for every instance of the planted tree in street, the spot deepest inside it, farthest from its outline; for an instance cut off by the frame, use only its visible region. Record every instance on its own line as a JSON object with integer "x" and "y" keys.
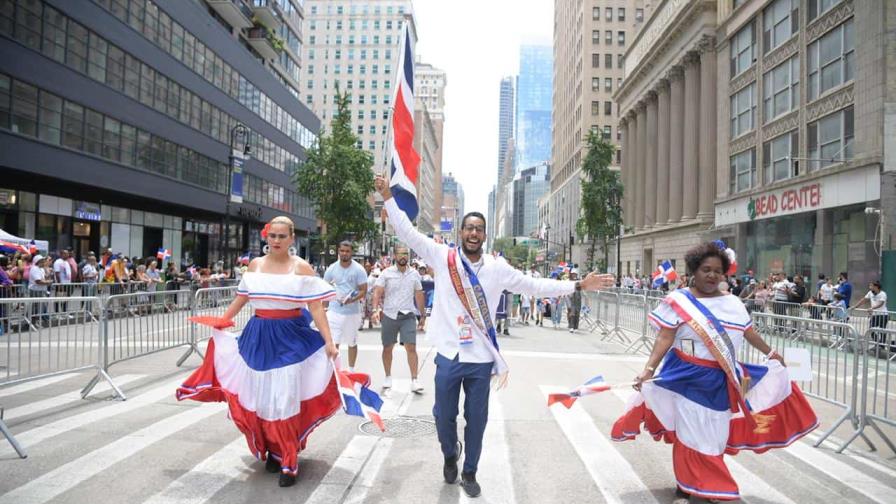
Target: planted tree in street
{"x": 601, "y": 215}
{"x": 338, "y": 179}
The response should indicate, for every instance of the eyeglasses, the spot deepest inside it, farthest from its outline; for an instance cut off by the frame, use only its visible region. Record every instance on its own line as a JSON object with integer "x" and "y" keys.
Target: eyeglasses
{"x": 470, "y": 228}
{"x": 276, "y": 236}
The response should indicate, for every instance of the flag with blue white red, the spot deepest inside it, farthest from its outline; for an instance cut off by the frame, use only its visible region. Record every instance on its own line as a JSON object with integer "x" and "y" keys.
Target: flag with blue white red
{"x": 163, "y": 254}
{"x": 592, "y": 386}
{"x": 358, "y": 399}
{"x": 663, "y": 274}
{"x": 404, "y": 159}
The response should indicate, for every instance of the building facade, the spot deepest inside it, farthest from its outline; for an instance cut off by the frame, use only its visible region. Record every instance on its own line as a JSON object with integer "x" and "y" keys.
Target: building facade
{"x": 505, "y": 122}
{"x": 532, "y": 116}
{"x": 806, "y": 143}
{"x": 354, "y": 46}
{"x": 452, "y": 206}
{"x": 429, "y": 85}
{"x": 668, "y": 125}
{"x": 427, "y": 147}
{"x": 590, "y": 40}
{"x": 118, "y": 120}
{"x": 529, "y": 186}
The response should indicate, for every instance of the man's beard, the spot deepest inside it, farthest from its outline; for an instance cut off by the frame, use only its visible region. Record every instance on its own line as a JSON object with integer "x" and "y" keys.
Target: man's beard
{"x": 471, "y": 251}
{"x": 402, "y": 262}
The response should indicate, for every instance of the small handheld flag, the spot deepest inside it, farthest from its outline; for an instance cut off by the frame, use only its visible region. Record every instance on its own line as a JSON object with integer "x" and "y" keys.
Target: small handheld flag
{"x": 163, "y": 254}
{"x": 592, "y": 386}
{"x": 405, "y": 160}
{"x": 664, "y": 273}
{"x": 357, "y": 399}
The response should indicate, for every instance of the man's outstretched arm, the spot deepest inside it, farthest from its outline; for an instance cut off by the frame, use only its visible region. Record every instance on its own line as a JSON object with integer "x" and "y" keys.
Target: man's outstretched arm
{"x": 423, "y": 245}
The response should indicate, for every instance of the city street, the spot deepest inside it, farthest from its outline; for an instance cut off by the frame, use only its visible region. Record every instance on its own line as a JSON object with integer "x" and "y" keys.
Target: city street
{"x": 153, "y": 449}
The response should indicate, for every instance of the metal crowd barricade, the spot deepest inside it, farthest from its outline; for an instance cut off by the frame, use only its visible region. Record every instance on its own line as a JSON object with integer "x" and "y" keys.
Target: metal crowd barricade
{"x": 632, "y": 318}
{"x": 212, "y": 301}
{"x": 877, "y": 402}
{"x": 835, "y": 373}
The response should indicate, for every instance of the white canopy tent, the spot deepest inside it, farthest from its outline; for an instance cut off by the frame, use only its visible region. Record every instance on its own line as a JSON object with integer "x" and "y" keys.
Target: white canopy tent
{"x": 41, "y": 245}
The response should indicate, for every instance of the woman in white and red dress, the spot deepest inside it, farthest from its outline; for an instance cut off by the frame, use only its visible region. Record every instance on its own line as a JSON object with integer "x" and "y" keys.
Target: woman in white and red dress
{"x": 698, "y": 399}
{"x": 277, "y": 375}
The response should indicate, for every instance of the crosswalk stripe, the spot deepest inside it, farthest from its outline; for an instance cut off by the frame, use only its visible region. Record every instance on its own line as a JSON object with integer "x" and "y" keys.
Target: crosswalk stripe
{"x": 844, "y": 473}
{"x": 36, "y": 384}
{"x": 362, "y": 452}
{"x": 39, "y": 434}
{"x": 65, "y": 477}
{"x": 812, "y": 437}
{"x": 494, "y": 466}
{"x": 59, "y": 400}
{"x": 422, "y": 350}
{"x": 202, "y": 482}
{"x": 752, "y": 487}
{"x": 611, "y": 472}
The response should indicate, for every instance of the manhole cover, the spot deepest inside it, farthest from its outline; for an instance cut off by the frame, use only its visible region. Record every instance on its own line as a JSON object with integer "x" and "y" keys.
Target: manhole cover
{"x": 401, "y": 427}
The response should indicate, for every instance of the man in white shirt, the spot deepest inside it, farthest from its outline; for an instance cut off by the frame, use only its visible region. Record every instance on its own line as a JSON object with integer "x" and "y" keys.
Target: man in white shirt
{"x": 462, "y": 333}
{"x": 62, "y": 270}
{"x": 876, "y": 299}
{"x": 38, "y": 284}
{"x": 395, "y": 294}
{"x": 344, "y": 313}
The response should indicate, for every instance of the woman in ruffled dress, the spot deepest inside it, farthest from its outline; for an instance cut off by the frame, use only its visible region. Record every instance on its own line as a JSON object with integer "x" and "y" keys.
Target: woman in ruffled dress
{"x": 277, "y": 376}
{"x": 702, "y": 400}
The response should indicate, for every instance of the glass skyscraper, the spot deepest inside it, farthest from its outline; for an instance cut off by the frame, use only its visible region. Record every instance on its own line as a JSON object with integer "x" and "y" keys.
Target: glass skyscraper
{"x": 533, "y": 106}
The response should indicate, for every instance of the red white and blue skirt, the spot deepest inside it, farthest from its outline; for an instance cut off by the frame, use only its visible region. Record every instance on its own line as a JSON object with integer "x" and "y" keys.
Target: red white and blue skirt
{"x": 276, "y": 379}
{"x": 692, "y": 407}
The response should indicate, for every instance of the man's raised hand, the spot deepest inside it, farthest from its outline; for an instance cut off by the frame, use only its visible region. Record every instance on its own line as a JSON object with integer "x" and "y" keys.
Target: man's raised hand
{"x": 598, "y": 281}
{"x": 382, "y": 186}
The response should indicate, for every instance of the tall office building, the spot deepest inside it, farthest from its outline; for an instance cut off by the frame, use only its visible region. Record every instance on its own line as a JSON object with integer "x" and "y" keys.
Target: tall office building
{"x": 529, "y": 185}
{"x": 354, "y": 46}
{"x": 505, "y": 122}
{"x": 118, "y": 119}
{"x": 429, "y": 88}
{"x": 532, "y": 116}
{"x": 452, "y": 205}
{"x": 590, "y": 41}
{"x": 427, "y": 146}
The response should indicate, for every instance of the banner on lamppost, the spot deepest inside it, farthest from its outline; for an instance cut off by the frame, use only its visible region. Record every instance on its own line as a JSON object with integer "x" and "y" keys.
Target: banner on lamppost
{"x": 237, "y": 160}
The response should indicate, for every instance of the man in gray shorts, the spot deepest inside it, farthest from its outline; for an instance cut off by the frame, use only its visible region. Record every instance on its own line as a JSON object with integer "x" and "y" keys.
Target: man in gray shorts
{"x": 395, "y": 293}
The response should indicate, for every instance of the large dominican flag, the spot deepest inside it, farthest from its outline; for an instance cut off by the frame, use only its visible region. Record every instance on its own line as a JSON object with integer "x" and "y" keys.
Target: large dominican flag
{"x": 405, "y": 159}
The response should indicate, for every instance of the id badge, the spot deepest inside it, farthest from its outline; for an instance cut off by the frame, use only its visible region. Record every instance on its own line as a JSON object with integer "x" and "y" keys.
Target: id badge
{"x": 464, "y": 330}
{"x": 687, "y": 346}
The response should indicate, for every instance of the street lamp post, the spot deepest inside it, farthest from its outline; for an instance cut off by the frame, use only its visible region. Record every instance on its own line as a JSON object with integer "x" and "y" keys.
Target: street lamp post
{"x": 615, "y": 198}
{"x": 547, "y": 241}
{"x": 234, "y": 181}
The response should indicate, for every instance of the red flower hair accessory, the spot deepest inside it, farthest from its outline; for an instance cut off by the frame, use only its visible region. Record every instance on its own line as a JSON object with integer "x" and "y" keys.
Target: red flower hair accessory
{"x": 264, "y": 231}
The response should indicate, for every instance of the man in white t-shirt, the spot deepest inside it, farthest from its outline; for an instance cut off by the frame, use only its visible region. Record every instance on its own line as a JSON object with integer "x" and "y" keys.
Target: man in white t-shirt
{"x": 62, "y": 271}
{"x": 344, "y": 313}
{"x": 877, "y": 301}
{"x": 38, "y": 284}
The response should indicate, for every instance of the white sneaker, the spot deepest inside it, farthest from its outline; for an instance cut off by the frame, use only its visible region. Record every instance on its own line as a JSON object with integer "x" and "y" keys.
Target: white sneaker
{"x": 416, "y": 387}
{"x": 387, "y": 383}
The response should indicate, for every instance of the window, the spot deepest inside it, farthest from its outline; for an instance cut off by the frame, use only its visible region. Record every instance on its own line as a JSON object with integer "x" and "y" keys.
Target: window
{"x": 5, "y": 93}
{"x": 620, "y": 37}
{"x": 595, "y": 108}
{"x": 608, "y": 37}
{"x": 639, "y": 15}
{"x": 608, "y": 108}
{"x": 72, "y": 125}
{"x": 608, "y": 84}
{"x": 780, "y": 21}
{"x": 831, "y": 59}
{"x": 743, "y": 171}
{"x": 830, "y": 138}
{"x": 779, "y": 157}
{"x": 24, "y": 109}
{"x": 595, "y": 60}
{"x": 27, "y": 30}
{"x": 607, "y": 133}
{"x": 742, "y": 52}
{"x": 112, "y": 139}
{"x": 54, "y": 34}
{"x": 93, "y": 132}
{"x": 76, "y": 48}
{"x": 608, "y": 14}
{"x": 620, "y": 14}
{"x": 743, "y": 110}
{"x": 781, "y": 89}
{"x": 50, "y": 118}
{"x": 595, "y": 13}
{"x": 595, "y": 37}
{"x": 608, "y": 61}
{"x": 595, "y": 83}
{"x": 819, "y": 7}
{"x": 620, "y": 59}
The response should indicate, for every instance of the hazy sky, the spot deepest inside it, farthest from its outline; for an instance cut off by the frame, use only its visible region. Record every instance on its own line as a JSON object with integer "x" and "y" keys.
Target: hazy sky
{"x": 477, "y": 43}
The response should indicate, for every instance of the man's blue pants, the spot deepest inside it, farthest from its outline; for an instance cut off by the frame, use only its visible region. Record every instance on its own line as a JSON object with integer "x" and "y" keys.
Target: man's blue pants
{"x": 475, "y": 378}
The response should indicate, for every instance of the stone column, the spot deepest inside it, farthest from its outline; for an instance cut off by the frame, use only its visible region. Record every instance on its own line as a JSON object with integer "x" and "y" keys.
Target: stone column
{"x": 625, "y": 167}
{"x": 662, "y": 150}
{"x": 650, "y": 165}
{"x": 632, "y": 166}
{"x": 690, "y": 195}
{"x": 708, "y": 130}
{"x": 676, "y": 142}
{"x": 640, "y": 201}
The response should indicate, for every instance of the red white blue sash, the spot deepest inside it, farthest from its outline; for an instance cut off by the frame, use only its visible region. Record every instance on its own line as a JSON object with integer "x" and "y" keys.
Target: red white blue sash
{"x": 472, "y": 296}
{"x": 707, "y": 326}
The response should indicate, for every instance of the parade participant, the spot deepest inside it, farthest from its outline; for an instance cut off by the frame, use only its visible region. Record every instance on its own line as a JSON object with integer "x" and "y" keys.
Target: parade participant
{"x": 396, "y": 292}
{"x": 573, "y": 305}
{"x": 468, "y": 285}
{"x": 277, "y": 376}
{"x": 344, "y": 312}
{"x": 702, "y": 401}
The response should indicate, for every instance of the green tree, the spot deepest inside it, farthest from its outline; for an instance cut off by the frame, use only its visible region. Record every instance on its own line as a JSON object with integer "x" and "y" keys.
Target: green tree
{"x": 518, "y": 254}
{"x": 338, "y": 179}
{"x": 601, "y": 193}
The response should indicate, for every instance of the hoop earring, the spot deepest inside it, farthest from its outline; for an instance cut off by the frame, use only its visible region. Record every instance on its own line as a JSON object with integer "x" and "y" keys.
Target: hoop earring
{"x": 291, "y": 251}
{"x": 266, "y": 249}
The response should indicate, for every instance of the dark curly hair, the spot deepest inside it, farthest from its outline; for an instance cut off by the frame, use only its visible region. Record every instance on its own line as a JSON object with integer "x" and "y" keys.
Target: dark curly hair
{"x": 695, "y": 256}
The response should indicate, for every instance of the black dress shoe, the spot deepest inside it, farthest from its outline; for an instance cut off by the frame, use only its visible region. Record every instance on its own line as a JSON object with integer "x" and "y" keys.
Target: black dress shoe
{"x": 449, "y": 471}
{"x": 468, "y": 483}
{"x": 286, "y": 480}
{"x": 272, "y": 466}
